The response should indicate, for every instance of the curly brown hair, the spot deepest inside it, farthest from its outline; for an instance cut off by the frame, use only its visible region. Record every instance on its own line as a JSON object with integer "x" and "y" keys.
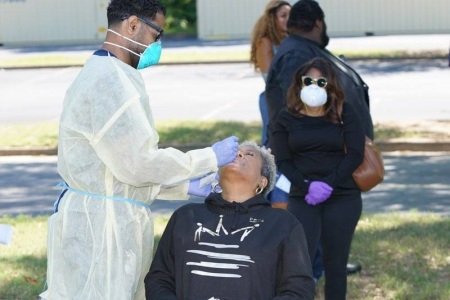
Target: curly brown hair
{"x": 335, "y": 94}
{"x": 266, "y": 27}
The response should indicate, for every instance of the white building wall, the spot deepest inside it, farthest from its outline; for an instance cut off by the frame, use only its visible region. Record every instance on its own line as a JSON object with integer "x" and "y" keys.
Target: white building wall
{"x": 226, "y": 19}
{"x": 30, "y": 22}
{"x": 386, "y": 17}
{"x": 40, "y": 22}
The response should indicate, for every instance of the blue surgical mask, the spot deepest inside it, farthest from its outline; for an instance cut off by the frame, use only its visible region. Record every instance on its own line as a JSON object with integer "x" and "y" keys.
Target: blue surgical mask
{"x": 149, "y": 57}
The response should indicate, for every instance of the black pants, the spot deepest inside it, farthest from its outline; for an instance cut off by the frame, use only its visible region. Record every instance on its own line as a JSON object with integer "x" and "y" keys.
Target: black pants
{"x": 335, "y": 221}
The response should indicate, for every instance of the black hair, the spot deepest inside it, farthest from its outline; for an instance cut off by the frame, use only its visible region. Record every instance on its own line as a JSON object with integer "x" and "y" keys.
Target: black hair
{"x": 304, "y": 15}
{"x": 119, "y": 10}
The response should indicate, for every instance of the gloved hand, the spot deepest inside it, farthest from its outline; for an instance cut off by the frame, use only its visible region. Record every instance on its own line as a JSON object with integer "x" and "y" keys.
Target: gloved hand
{"x": 197, "y": 189}
{"x": 226, "y": 150}
{"x": 318, "y": 192}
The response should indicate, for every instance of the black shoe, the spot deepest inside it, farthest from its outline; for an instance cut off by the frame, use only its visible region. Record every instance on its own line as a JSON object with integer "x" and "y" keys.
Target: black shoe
{"x": 353, "y": 268}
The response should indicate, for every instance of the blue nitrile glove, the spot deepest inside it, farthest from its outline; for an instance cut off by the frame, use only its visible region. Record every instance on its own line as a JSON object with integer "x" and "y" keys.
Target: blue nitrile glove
{"x": 318, "y": 192}
{"x": 195, "y": 188}
{"x": 226, "y": 150}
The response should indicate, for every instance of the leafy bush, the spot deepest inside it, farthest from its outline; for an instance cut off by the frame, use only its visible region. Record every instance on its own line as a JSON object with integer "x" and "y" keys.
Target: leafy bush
{"x": 181, "y": 16}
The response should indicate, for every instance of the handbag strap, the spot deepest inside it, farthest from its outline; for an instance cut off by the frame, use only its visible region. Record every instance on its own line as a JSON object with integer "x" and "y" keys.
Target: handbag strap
{"x": 340, "y": 107}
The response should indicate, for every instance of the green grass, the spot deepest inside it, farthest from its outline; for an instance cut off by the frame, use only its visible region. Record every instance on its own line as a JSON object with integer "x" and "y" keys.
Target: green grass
{"x": 200, "y": 132}
{"x": 23, "y": 263}
{"x": 171, "y": 133}
{"x": 29, "y": 135}
{"x": 404, "y": 256}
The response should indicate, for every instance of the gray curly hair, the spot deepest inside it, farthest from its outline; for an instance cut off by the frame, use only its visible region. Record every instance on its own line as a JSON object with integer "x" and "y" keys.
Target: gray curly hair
{"x": 269, "y": 169}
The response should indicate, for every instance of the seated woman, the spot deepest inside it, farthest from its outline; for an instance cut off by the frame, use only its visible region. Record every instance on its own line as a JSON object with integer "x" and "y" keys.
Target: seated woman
{"x": 233, "y": 246}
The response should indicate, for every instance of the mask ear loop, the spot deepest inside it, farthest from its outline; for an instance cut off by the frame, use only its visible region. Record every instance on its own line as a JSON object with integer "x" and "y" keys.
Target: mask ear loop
{"x": 124, "y": 48}
{"x": 128, "y": 39}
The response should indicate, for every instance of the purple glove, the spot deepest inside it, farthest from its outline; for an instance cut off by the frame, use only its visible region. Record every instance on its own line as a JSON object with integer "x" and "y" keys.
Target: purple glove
{"x": 226, "y": 150}
{"x": 318, "y": 192}
{"x": 196, "y": 190}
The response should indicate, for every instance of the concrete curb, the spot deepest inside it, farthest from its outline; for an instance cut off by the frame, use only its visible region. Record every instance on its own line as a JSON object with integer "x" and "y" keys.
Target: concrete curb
{"x": 418, "y": 56}
{"x": 384, "y": 147}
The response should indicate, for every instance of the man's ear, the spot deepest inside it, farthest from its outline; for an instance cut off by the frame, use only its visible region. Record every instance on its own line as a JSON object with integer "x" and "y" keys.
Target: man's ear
{"x": 318, "y": 24}
{"x": 132, "y": 25}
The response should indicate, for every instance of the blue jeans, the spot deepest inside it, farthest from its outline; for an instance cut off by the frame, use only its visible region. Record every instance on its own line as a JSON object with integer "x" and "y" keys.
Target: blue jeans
{"x": 317, "y": 263}
{"x": 264, "y": 118}
{"x": 279, "y": 196}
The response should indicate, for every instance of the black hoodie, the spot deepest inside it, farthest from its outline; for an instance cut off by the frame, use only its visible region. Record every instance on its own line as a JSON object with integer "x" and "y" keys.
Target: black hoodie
{"x": 240, "y": 251}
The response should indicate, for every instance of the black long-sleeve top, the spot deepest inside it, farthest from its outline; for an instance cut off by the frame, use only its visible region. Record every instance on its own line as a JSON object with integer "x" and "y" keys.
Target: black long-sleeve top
{"x": 314, "y": 149}
{"x": 222, "y": 250}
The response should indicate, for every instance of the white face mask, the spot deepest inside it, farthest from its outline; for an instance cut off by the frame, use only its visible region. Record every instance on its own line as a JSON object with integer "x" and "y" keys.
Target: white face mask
{"x": 313, "y": 96}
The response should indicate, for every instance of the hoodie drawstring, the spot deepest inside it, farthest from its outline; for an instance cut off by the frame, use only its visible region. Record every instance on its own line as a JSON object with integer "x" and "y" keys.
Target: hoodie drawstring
{"x": 238, "y": 210}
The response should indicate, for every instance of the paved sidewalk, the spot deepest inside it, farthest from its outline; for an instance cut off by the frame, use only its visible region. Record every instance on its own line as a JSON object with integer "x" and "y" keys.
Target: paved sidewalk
{"x": 413, "y": 182}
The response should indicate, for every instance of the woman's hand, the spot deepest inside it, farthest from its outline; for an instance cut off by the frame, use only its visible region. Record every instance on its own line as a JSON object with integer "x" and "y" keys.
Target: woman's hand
{"x": 318, "y": 192}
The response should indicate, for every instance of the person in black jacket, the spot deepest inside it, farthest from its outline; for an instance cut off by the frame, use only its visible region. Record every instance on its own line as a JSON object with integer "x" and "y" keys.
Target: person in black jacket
{"x": 235, "y": 245}
{"x": 308, "y": 39}
{"x": 318, "y": 143}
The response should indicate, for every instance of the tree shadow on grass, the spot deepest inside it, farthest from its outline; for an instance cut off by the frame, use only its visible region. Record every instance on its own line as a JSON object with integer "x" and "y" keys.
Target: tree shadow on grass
{"x": 28, "y": 277}
{"x": 403, "y": 259}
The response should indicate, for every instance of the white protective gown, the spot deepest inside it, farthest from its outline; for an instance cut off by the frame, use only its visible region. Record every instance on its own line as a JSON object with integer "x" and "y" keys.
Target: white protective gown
{"x": 101, "y": 248}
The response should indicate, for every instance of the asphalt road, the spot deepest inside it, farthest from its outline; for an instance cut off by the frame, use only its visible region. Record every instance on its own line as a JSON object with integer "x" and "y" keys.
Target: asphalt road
{"x": 418, "y": 182}
{"x": 400, "y": 90}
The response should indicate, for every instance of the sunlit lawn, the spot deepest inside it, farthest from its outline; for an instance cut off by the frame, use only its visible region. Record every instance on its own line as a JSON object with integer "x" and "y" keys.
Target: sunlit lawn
{"x": 170, "y": 132}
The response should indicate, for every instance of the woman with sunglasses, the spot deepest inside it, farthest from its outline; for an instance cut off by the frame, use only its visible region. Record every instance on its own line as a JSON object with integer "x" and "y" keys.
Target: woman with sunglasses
{"x": 318, "y": 141}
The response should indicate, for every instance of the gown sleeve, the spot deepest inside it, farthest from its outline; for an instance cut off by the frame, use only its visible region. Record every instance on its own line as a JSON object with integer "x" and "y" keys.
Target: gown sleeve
{"x": 125, "y": 139}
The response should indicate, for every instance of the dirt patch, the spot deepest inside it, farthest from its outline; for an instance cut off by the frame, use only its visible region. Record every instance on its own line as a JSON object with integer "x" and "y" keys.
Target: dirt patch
{"x": 417, "y": 132}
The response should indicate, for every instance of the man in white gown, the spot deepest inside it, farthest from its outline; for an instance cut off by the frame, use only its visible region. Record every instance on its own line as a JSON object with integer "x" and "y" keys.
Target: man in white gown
{"x": 100, "y": 238}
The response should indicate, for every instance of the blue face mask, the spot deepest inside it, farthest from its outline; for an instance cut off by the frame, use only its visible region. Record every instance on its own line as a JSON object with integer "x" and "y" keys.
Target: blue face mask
{"x": 150, "y": 56}
{"x": 147, "y": 58}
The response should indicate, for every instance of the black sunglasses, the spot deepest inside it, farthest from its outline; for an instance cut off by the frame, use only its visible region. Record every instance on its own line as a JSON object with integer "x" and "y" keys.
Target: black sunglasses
{"x": 152, "y": 25}
{"x": 320, "y": 82}
{"x": 156, "y": 27}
